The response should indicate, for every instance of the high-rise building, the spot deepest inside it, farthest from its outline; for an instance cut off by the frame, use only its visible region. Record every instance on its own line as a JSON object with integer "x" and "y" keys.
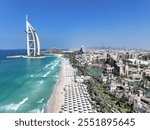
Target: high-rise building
{"x": 33, "y": 43}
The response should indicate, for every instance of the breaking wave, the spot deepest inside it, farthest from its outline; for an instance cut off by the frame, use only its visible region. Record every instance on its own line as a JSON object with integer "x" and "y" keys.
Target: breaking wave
{"x": 13, "y": 106}
{"x": 53, "y": 65}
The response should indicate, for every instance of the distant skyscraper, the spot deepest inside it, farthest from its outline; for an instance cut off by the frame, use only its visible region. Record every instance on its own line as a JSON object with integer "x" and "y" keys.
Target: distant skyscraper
{"x": 81, "y": 51}
{"x": 33, "y": 43}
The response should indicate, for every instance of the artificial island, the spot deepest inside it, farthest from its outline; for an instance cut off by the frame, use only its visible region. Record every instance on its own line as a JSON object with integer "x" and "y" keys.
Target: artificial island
{"x": 33, "y": 43}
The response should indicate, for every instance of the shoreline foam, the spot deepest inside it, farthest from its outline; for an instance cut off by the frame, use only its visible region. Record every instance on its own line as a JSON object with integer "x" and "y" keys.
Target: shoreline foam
{"x": 56, "y": 98}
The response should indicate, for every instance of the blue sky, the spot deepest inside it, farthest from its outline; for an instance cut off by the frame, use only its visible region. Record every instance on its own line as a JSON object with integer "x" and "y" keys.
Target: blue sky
{"x": 72, "y": 23}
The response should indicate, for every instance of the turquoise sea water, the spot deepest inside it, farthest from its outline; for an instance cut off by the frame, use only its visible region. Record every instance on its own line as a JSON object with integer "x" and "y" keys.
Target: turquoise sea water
{"x": 26, "y": 84}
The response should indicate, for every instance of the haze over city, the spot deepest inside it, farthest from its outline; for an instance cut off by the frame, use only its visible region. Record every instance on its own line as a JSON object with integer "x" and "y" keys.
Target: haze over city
{"x": 72, "y": 23}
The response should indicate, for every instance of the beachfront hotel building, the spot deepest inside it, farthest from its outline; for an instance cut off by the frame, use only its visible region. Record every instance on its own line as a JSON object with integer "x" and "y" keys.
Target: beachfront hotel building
{"x": 33, "y": 43}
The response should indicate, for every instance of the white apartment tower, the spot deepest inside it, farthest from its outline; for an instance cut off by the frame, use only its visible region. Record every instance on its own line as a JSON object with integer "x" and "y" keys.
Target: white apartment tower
{"x": 33, "y": 43}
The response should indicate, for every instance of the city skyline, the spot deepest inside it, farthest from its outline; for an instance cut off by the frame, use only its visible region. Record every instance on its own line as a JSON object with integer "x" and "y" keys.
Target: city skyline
{"x": 73, "y": 23}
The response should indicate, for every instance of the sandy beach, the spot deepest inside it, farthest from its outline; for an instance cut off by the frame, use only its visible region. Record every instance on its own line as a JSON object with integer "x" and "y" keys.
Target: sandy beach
{"x": 69, "y": 95}
{"x": 56, "y": 99}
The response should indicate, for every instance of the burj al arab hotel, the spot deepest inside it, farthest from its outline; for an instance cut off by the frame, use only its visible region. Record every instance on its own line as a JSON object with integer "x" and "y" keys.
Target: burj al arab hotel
{"x": 33, "y": 43}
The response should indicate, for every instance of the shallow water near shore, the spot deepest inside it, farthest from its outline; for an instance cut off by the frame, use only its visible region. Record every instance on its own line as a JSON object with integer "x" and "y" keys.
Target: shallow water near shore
{"x": 26, "y": 84}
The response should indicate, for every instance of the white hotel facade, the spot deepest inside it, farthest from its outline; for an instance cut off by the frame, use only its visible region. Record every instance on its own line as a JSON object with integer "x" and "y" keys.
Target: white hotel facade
{"x": 33, "y": 43}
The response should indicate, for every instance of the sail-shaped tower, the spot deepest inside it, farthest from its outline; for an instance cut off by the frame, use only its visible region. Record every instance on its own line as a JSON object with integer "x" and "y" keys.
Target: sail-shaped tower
{"x": 33, "y": 43}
